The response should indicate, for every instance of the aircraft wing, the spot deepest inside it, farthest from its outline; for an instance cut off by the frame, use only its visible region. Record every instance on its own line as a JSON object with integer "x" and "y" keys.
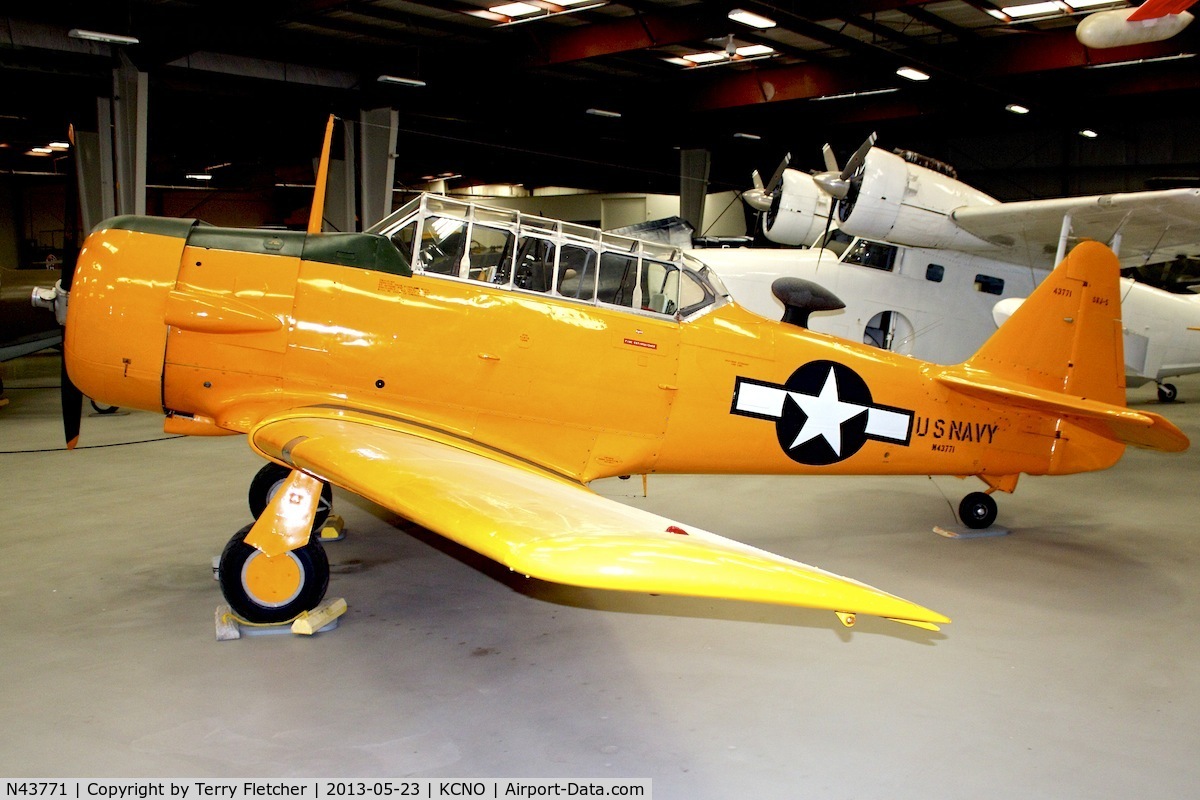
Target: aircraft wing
{"x": 1154, "y": 226}
{"x": 545, "y": 526}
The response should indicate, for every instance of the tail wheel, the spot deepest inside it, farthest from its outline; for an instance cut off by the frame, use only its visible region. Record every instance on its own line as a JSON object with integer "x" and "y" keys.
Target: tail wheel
{"x": 977, "y": 510}
{"x": 267, "y": 482}
{"x": 271, "y": 589}
{"x": 1167, "y": 393}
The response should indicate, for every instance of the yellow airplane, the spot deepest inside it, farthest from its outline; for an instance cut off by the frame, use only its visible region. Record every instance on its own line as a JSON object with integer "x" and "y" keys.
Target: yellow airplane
{"x": 472, "y": 369}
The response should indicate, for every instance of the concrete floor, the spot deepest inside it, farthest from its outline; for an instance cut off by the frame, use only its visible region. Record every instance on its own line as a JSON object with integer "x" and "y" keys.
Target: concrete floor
{"x": 1070, "y": 670}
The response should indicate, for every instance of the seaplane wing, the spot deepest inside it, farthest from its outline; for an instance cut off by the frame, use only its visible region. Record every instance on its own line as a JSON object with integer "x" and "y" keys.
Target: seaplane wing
{"x": 1143, "y": 227}
{"x": 548, "y": 527}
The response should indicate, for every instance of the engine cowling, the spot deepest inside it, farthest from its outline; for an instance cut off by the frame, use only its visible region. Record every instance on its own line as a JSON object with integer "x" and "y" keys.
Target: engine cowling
{"x": 904, "y": 203}
{"x": 798, "y": 211}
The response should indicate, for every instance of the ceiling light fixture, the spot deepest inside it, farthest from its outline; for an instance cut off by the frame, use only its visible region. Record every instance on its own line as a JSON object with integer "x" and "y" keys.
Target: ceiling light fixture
{"x": 754, "y": 137}
{"x": 1016, "y": 108}
{"x": 912, "y": 74}
{"x": 706, "y": 57}
{"x": 600, "y": 112}
{"x": 1035, "y": 9}
{"x": 402, "y": 81}
{"x": 1088, "y": 133}
{"x": 751, "y": 19}
{"x": 59, "y": 145}
{"x": 198, "y": 176}
{"x": 518, "y": 13}
{"x": 514, "y": 9}
{"x": 751, "y": 50}
{"x": 98, "y": 36}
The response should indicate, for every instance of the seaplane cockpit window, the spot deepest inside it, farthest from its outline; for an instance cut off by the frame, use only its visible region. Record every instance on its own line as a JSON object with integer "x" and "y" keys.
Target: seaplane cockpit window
{"x": 489, "y": 249}
{"x": 875, "y": 255}
{"x": 535, "y": 264}
{"x": 618, "y": 279}
{"x": 577, "y": 272}
{"x": 443, "y": 242}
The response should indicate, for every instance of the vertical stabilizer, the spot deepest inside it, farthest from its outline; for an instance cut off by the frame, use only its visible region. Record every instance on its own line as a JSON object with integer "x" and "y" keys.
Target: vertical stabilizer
{"x": 1066, "y": 337}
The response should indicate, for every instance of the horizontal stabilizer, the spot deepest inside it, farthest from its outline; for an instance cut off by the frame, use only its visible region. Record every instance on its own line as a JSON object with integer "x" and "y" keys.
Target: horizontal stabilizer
{"x": 1138, "y": 428}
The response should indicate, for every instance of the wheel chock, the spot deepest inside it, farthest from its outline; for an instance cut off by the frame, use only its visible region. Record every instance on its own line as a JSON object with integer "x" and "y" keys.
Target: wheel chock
{"x": 334, "y": 529}
{"x": 323, "y": 618}
{"x": 963, "y": 532}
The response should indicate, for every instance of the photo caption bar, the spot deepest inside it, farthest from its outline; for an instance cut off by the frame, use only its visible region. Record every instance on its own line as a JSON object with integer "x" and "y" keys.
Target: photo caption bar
{"x": 142, "y": 789}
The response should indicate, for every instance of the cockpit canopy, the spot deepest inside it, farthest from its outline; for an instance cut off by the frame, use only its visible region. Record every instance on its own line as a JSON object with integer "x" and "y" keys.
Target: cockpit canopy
{"x": 520, "y": 252}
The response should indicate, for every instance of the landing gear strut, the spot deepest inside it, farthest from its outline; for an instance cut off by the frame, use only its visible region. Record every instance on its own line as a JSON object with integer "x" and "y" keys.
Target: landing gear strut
{"x": 977, "y": 510}
{"x": 1167, "y": 393}
{"x": 267, "y": 482}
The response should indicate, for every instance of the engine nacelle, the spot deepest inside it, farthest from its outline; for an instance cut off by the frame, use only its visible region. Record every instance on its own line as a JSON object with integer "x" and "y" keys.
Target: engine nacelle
{"x": 904, "y": 203}
{"x": 798, "y": 212}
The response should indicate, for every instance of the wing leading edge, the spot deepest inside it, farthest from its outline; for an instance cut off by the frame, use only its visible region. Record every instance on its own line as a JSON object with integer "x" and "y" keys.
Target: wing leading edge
{"x": 548, "y": 527}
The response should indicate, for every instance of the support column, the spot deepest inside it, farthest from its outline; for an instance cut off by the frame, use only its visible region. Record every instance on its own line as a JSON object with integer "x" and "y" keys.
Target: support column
{"x": 693, "y": 186}
{"x": 378, "y": 128}
{"x": 130, "y": 98}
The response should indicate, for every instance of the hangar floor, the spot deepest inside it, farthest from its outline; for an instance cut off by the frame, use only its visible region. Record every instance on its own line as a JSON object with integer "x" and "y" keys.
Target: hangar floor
{"x": 1069, "y": 672}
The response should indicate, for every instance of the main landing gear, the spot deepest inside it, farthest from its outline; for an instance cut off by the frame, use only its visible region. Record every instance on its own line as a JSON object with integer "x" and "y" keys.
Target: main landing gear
{"x": 1167, "y": 393}
{"x": 271, "y": 589}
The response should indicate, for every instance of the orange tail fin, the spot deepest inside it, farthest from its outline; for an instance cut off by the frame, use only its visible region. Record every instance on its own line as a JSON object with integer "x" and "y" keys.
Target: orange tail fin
{"x": 1061, "y": 354}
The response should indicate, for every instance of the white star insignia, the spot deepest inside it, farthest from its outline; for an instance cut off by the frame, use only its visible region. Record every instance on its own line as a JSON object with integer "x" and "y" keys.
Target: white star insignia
{"x": 825, "y": 414}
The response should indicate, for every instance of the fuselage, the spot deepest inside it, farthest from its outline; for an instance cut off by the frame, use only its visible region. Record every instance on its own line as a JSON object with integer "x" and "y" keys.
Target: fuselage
{"x": 223, "y": 329}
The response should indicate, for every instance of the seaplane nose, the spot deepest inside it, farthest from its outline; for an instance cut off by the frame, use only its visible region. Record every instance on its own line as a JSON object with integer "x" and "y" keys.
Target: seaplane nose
{"x": 116, "y": 334}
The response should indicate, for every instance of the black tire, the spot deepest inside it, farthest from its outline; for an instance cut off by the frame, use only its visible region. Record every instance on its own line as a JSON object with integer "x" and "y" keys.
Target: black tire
{"x": 99, "y": 409}
{"x": 272, "y": 590}
{"x": 1167, "y": 393}
{"x": 268, "y": 480}
{"x": 977, "y": 510}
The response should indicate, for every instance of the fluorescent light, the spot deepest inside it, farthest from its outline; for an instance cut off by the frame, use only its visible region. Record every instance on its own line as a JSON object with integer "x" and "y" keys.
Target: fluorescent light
{"x": 514, "y": 9}
{"x": 600, "y": 112}
{"x": 751, "y": 19}
{"x": 97, "y": 36}
{"x": 1035, "y": 9}
{"x": 847, "y": 95}
{"x": 198, "y": 176}
{"x": 751, "y": 50}
{"x": 1016, "y": 108}
{"x": 706, "y": 57}
{"x": 42, "y": 150}
{"x": 679, "y": 61}
{"x": 751, "y": 136}
{"x": 59, "y": 145}
{"x": 1088, "y": 133}
{"x": 998, "y": 14}
{"x": 912, "y": 74}
{"x": 401, "y": 81}
{"x": 1092, "y": 3}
